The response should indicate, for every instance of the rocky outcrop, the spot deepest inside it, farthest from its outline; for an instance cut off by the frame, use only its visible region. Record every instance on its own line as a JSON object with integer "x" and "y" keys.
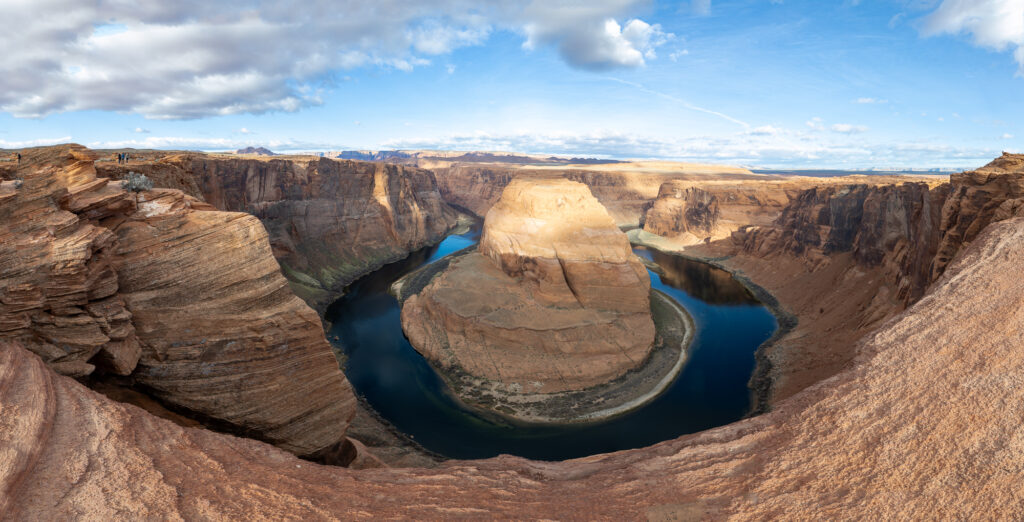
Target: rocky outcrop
{"x": 683, "y": 210}
{"x": 187, "y": 302}
{"x": 329, "y": 221}
{"x": 917, "y": 426}
{"x": 554, "y": 300}
{"x": 977, "y": 198}
{"x": 895, "y": 227}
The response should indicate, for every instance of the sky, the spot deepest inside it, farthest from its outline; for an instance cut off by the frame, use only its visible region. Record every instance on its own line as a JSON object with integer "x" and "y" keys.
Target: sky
{"x": 762, "y": 83}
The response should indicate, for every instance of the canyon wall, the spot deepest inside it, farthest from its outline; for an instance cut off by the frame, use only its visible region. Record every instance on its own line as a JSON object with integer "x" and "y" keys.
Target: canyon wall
{"x": 920, "y": 424}
{"x": 690, "y": 212}
{"x": 624, "y": 189}
{"x": 329, "y": 221}
{"x": 185, "y": 301}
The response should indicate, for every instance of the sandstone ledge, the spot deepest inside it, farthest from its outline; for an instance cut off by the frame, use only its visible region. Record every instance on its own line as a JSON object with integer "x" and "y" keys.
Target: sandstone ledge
{"x": 674, "y": 332}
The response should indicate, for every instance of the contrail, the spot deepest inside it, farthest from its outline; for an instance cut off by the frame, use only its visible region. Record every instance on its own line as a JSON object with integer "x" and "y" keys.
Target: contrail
{"x": 680, "y": 101}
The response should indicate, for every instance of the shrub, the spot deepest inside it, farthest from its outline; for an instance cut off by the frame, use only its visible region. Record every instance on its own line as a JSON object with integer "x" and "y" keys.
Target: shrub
{"x": 136, "y": 182}
{"x": 18, "y": 182}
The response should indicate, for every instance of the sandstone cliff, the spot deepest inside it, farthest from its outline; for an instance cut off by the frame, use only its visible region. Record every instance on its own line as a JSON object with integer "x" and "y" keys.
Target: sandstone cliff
{"x": 329, "y": 221}
{"x": 921, "y": 424}
{"x": 187, "y": 302}
{"x": 992, "y": 193}
{"x": 554, "y": 301}
{"x": 624, "y": 189}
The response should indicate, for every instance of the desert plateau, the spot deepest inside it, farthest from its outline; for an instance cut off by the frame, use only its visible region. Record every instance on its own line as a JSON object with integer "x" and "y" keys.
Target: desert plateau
{"x": 619, "y": 260}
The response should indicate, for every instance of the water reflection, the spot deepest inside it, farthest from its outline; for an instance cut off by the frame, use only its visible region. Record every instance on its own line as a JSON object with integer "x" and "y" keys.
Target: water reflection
{"x": 701, "y": 280}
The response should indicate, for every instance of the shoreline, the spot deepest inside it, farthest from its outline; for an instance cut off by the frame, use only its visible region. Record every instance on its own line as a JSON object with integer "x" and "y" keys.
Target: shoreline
{"x": 676, "y": 329}
{"x": 761, "y": 378}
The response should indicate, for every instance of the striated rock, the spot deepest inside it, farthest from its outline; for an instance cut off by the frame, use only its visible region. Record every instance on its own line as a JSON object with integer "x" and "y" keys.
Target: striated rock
{"x": 683, "y": 210}
{"x": 921, "y": 424}
{"x": 555, "y": 237}
{"x": 890, "y": 226}
{"x": 186, "y": 302}
{"x": 554, "y": 300}
{"x": 992, "y": 193}
{"x": 58, "y": 288}
{"x": 227, "y": 339}
{"x": 329, "y": 221}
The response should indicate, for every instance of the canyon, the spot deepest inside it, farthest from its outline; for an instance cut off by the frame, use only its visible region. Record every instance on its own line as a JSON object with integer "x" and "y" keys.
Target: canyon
{"x": 901, "y": 299}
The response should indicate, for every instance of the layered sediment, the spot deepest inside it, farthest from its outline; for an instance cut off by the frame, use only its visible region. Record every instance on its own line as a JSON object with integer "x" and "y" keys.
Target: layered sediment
{"x": 329, "y": 221}
{"x": 156, "y": 286}
{"x": 554, "y": 300}
{"x": 924, "y": 402}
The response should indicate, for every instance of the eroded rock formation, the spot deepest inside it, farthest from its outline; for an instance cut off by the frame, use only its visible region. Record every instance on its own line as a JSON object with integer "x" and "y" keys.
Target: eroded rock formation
{"x": 921, "y": 424}
{"x": 186, "y": 301}
{"x": 329, "y": 221}
{"x": 553, "y": 301}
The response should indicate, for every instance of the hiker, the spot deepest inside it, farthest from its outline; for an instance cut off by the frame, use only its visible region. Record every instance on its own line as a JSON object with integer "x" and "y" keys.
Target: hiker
{"x": 19, "y": 158}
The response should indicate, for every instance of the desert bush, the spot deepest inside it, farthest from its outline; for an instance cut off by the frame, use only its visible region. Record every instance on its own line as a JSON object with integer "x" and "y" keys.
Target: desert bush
{"x": 136, "y": 182}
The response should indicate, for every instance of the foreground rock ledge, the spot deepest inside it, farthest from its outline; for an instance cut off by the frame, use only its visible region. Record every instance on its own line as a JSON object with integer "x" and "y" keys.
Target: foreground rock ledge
{"x": 554, "y": 300}
{"x": 156, "y": 286}
{"x": 924, "y": 423}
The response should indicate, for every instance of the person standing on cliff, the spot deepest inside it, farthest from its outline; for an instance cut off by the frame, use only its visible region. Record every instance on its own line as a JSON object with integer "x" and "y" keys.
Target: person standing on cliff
{"x": 19, "y": 158}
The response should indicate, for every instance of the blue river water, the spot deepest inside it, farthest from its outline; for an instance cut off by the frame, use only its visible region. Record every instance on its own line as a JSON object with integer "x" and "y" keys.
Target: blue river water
{"x": 710, "y": 391}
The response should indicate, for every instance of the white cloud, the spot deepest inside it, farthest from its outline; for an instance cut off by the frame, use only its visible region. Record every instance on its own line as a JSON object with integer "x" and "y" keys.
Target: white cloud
{"x": 847, "y": 128}
{"x": 4, "y": 144}
{"x": 244, "y": 130}
{"x": 588, "y": 39}
{"x": 450, "y": 68}
{"x": 815, "y": 124}
{"x": 995, "y": 24}
{"x": 870, "y": 101}
{"x": 140, "y": 130}
{"x": 1007, "y": 136}
{"x": 192, "y": 58}
{"x": 676, "y": 55}
{"x": 764, "y": 130}
{"x": 784, "y": 148}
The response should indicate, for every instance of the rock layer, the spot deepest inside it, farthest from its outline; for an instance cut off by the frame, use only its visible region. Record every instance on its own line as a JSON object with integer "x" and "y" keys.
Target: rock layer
{"x": 329, "y": 221}
{"x": 187, "y": 302}
{"x": 554, "y": 301}
{"x": 920, "y": 425}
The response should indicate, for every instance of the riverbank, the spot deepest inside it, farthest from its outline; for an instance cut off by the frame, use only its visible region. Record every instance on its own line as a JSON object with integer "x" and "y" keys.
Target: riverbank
{"x": 761, "y": 379}
{"x": 675, "y": 329}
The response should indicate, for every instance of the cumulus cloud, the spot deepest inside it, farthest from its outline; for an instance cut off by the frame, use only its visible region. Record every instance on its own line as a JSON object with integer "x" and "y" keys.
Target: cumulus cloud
{"x": 192, "y": 58}
{"x": 995, "y": 24}
{"x": 587, "y": 37}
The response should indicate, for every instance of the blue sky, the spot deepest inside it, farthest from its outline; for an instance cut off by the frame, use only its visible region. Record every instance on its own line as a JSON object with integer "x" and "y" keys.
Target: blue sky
{"x": 767, "y": 83}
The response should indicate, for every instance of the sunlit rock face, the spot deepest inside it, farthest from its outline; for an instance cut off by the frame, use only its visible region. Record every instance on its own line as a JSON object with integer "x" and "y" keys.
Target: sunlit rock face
{"x": 159, "y": 287}
{"x": 553, "y": 301}
{"x": 557, "y": 239}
